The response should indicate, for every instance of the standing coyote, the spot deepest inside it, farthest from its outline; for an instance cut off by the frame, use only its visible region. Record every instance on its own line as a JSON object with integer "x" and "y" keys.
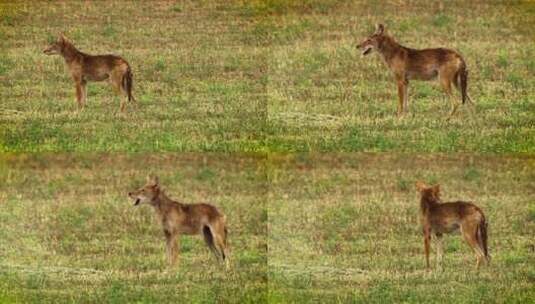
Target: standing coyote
{"x": 84, "y": 68}
{"x": 438, "y": 218}
{"x": 191, "y": 219}
{"x": 427, "y": 64}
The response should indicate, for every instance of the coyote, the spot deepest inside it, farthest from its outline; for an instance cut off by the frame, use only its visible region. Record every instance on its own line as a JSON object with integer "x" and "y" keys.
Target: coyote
{"x": 438, "y": 218}
{"x": 84, "y": 68}
{"x": 178, "y": 218}
{"x": 406, "y": 64}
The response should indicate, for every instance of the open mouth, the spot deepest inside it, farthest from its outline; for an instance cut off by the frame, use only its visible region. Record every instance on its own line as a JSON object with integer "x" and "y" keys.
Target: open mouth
{"x": 366, "y": 50}
{"x": 137, "y": 202}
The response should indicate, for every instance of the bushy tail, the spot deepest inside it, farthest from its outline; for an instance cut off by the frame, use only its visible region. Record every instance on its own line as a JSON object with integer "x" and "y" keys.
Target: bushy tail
{"x": 226, "y": 233}
{"x": 127, "y": 84}
{"x": 209, "y": 239}
{"x": 463, "y": 81}
{"x": 482, "y": 236}
{"x": 224, "y": 239}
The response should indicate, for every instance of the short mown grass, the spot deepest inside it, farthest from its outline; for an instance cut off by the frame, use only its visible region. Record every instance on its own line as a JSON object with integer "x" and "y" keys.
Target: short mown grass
{"x": 197, "y": 83}
{"x": 71, "y": 235}
{"x": 344, "y": 228}
{"x": 324, "y": 96}
{"x": 262, "y": 76}
{"x": 215, "y": 79}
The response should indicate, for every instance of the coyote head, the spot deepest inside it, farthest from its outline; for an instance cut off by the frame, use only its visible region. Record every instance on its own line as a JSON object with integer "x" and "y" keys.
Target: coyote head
{"x": 374, "y": 41}
{"x": 57, "y": 46}
{"x": 428, "y": 191}
{"x": 147, "y": 193}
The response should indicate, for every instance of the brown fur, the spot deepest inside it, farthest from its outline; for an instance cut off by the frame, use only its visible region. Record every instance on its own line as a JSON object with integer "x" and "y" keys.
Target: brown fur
{"x": 84, "y": 68}
{"x": 439, "y": 218}
{"x": 427, "y": 64}
{"x": 190, "y": 219}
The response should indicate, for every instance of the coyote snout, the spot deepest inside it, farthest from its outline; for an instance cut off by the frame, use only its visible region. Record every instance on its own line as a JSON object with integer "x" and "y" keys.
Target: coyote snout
{"x": 191, "y": 219}
{"x": 53, "y": 49}
{"x": 142, "y": 195}
{"x": 84, "y": 68}
{"x": 439, "y": 218}
{"x": 369, "y": 43}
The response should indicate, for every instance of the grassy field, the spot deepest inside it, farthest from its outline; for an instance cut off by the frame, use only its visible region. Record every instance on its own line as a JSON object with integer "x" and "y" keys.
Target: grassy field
{"x": 241, "y": 89}
{"x": 303, "y": 227}
{"x": 198, "y": 76}
{"x": 344, "y": 228}
{"x": 69, "y": 233}
{"x": 323, "y": 96}
{"x": 265, "y": 76}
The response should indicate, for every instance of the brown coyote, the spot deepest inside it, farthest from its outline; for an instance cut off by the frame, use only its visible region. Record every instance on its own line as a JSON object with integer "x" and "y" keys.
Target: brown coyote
{"x": 427, "y": 64}
{"x": 178, "y": 218}
{"x": 84, "y": 68}
{"x": 438, "y": 218}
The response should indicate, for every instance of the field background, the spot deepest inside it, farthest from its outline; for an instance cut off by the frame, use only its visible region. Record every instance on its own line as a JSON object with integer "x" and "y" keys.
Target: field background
{"x": 323, "y": 96}
{"x": 345, "y": 228}
{"x": 264, "y": 76}
{"x": 269, "y": 78}
{"x": 69, "y": 233}
{"x": 198, "y": 76}
{"x": 303, "y": 227}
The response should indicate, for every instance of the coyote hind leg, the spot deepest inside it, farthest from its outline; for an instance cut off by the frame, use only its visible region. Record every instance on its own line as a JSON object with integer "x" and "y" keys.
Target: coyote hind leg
{"x": 445, "y": 81}
{"x": 116, "y": 79}
{"x": 469, "y": 232}
{"x": 172, "y": 248}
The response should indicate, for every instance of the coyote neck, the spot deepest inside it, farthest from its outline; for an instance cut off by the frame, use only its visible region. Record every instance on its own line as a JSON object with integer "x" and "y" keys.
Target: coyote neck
{"x": 70, "y": 53}
{"x": 162, "y": 202}
{"x": 427, "y": 203}
{"x": 389, "y": 48}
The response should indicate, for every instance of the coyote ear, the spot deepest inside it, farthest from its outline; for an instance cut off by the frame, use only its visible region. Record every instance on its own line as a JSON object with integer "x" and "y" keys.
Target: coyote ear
{"x": 379, "y": 29}
{"x": 420, "y": 186}
{"x": 436, "y": 190}
{"x": 62, "y": 38}
{"x": 152, "y": 180}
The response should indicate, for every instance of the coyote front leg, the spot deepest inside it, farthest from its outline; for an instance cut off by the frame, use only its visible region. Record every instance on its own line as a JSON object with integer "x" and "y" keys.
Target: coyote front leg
{"x": 427, "y": 245}
{"x": 402, "y": 94}
{"x": 440, "y": 250}
{"x": 80, "y": 93}
{"x": 172, "y": 247}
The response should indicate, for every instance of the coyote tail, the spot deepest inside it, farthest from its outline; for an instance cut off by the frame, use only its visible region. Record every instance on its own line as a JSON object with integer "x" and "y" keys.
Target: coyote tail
{"x": 463, "y": 81}
{"x": 482, "y": 236}
{"x": 127, "y": 83}
{"x": 209, "y": 239}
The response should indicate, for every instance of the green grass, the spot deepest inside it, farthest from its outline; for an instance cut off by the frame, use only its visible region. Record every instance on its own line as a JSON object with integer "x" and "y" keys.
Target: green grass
{"x": 264, "y": 76}
{"x": 74, "y": 236}
{"x": 324, "y": 96}
{"x": 344, "y": 228}
{"x": 197, "y": 83}
{"x": 303, "y": 227}
{"x": 257, "y": 81}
